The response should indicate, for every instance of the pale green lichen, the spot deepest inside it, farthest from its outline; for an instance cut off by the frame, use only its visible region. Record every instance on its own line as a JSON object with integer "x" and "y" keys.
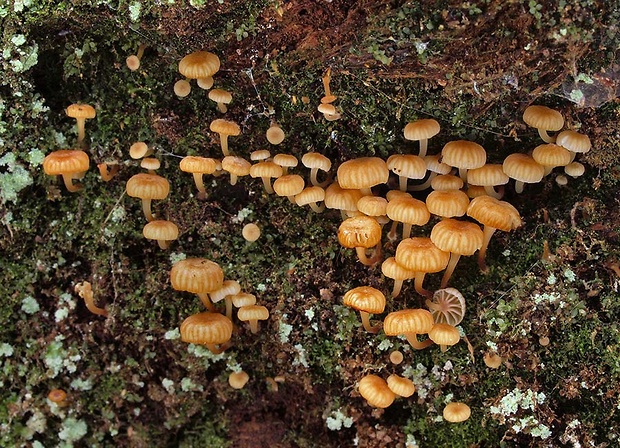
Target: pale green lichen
{"x": 337, "y": 420}
{"x": 72, "y": 430}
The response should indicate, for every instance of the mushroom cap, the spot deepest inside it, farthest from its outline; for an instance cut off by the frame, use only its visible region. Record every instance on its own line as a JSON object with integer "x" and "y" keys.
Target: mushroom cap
{"x": 434, "y": 164}
{"x": 407, "y": 165}
{"x": 421, "y": 129}
{"x": 574, "y": 141}
{"x": 242, "y": 299}
{"x": 395, "y": 194}
{"x": 473, "y": 191}
{"x": 575, "y": 169}
{"x": 200, "y": 64}
{"x": 266, "y": 169}
{"x": 523, "y": 168}
{"x": 316, "y": 160}
{"x": 363, "y": 172}
{"x": 444, "y": 334}
{"x": 459, "y": 237}
{"x": 421, "y": 255}
{"x": 150, "y": 163}
{"x": 206, "y": 328}
{"x": 133, "y": 62}
{"x": 327, "y": 109}
{"x": 252, "y": 312}
{"x": 492, "y": 212}
{"x": 138, "y": 150}
{"x": 197, "y": 275}
{"x": 456, "y": 412}
{"x": 160, "y": 230}
{"x": 543, "y": 117}
{"x": 309, "y": 195}
{"x": 418, "y": 321}
{"x": 376, "y": 391}
{"x": 285, "y": 160}
{"x": 338, "y": 198}
{"x": 403, "y": 387}
{"x": 226, "y": 127}
{"x": 365, "y": 298}
{"x": 487, "y": 175}
{"x": 289, "y": 185}
{"x": 552, "y": 155}
{"x": 492, "y": 360}
{"x": 251, "y": 232}
{"x": 260, "y": 154}
{"x": 148, "y": 186}
{"x": 275, "y": 135}
{"x": 81, "y": 111}
{"x": 447, "y": 306}
{"x": 463, "y": 154}
{"x": 236, "y": 165}
{"x": 447, "y": 203}
{"x": 57, "y": 396}
{"x": 182, "y": 88}
{"x": 447, "y": 182}
{"x": 360, "y": 231}
{"x": 220, "y": 96}
{"x": 408, "y": 210}
{"x": 66, "y": 161}
{"x": 229, "y": 288}
{"x": 237, "y": 380}
{"x": 391, "y": 269}
{"x": 196, "y": 164}
{"x": 372, "y": 205}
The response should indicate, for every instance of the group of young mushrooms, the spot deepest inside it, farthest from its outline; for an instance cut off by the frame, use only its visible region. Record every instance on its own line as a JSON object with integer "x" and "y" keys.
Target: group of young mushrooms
{"x": 460, "y": 180}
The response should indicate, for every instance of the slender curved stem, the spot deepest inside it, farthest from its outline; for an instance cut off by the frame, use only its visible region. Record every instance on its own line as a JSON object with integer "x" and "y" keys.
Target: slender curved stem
{"x": 81, "y": 125}
{"x": 418, "y": 282}
{"x": 412, "y": 338}
{"x": 206, "y": 301}
{"x": 546, "y": 137}
{"x": 146, "y": 208}
{"x": 398, "y": 285}
{"x": 367, "y": 325}
{"x": 423, "y": 147}
{"x": 224, "y": 144}
{"x": 267, "y": 185}
{"x": 487, "y": 233}
{"x": 519, "y": 186}
{"x": 316, "y": 207}
{"x": 163, "y": 244}
{"x": 202, "y": 192}
{"x": 68, "y": 180}
{"x": 253, "y": 326}
{"x": 454, "y": 259}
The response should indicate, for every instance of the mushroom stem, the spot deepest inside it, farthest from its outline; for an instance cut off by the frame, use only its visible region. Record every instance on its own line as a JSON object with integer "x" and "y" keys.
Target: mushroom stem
{"x": 81, "y": 125}
{"x": 546, "y": 137}
{"x": 140, "y": 52}
{"x": 326, "y": 80}
{"x": 224, "y": 144}
{"x": 146, "y": 208}
{"x": 392, "y": 233}
{"x": 366, "y": 191}
{"x": 454, "y": 259}
{"x": 84, "y": 290}
{"x": 229, "y": 307}
{"x": 424, "y": 185}
{"x": 519, "y": 186}
{"x": 402, "y": 183}
{"x": 253, "y": 325}
{"x": 491, "y": 191}
{"x": 418, "y": 282}
{"x": 233, "y": 179}
{"x": 202, "y": 192}
{"x": 412, "y": 338}
{"x": 163, "y": 244}
{"x": 267, "y": 185}
{"x": 366, "y": 323}
{"x": 218, "y": 350}
{"x": 316, "y": 207}
{"x": 487, "y": 233}
{"x": 463, "y": 174}
{"x": 423, "y": 147}
{"x": 222, "y": 107}
{"x": 406, "y": 230}
{"x": 107, "y": 175}
{"x": 361, "y": 254}
{"x": 398, "y": 285}
{"x": 206, "y": 301}
{"x": 68, "y": 180}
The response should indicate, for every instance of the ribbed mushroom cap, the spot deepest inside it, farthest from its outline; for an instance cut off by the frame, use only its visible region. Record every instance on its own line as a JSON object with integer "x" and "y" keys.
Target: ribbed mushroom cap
{"x": 360, "y": 231}
{"x": 150, "y": 163}
{"x": 206, "y": 328}
{"x": 524, "y": 168}
{"x": 391, "y": 269}
{"x": 237, "y": 380}
{"x": 285, "y": 160}
{"x": 197, "y": 275}
{"x": 407, "y": 165}
{"x": 447, "y": 203}
{"x": 252, "y": 312}
{"x": 148, "y": 186}
{"x": 463, "y": 154}
{"x": 182, "y": 88}
{"x": 196, "y": 164}
{"x": 434, "y": 164}
{"x": 376, "y": 391}
{"x": 259, "y": 155}
{"x": 327, "y": 109}
{"x": 365, "y": 298}
{"x": 220, "y": 96}
{"x": 316, "y": 160}
{"x": 575, "y": 169}
{"x": 456, "y": 412}
{"x": 408, "y": 210}
{"x": 266, "y": 169}
{"x": 458, "y": 237}
{"x": 372, "y": 205}
{"x": 492, "y": 212}
{"x": 416, "y": 321}
{"x": 447, "y": 306}
{"x": 446, "y": 182}
{"x": 161, "y": 230}
{"x": 229, "y": 288}
{"x": 81, "y": 111}
{"x": 226, "y": 127}
{"x": 236, "y": 165}
{"x": 243, "y": 299}
{"x": 421, "y": 255}
{"x": 309, "y": 195}
{"x": 275, "y": 135}
{"x": 444, "y": 334}
{"x": 421, "y": 129}
{"x": 289, "y": 185}
{"x": 574, "y": 141}
{"x": 403, "y": 387}
{"x": 551, "y": 155}
{"x": 395, "y": 194}
{"x": 362, "y": 173}
{"x": 543, "y": 117}
{"x": 340, "y": 199}
{"x": 66, "y": 161}
{"x": 487, "y": 175}
{"x": 200, "y": 64}
{"x": 138, "y": 150}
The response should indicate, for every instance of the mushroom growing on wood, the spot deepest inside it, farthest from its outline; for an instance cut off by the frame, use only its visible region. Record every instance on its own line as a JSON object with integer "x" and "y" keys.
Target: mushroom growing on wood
{"x": 422, "y": 131}
{"x": 543, "y": 119}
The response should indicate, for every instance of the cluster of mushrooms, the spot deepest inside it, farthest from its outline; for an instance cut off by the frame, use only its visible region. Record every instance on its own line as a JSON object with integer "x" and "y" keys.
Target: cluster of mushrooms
{"x": 464, "y": 202}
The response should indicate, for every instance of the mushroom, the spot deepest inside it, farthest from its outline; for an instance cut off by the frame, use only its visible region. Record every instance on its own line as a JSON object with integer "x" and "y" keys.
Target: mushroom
{"x": 447, "y": 306}
{"x": 447, "y": 203}
{"x": 199, "y": 276}
{"x": 543, "y": 119}
{"x": 410, "y": 323}
{"x": 422, "y": 256}
{"x": 107, "y": 172}
{"x": 252, "y": 314}
{"x": 409, "y": 211}
{"x": 237, "y": 380}
{"x": 434, "y": 167}
{"x": 250, "y": 232}
{"x": 286, "y": 161}
{"x": 421, "y": 130}
{"x": 133, "y": 61}
{"x": 182, "y": 88}
{"x": 344, "y": 200}
{"x": 445, "y": 182}
{"x": 228, "y": 289}
{"x": 464, "y": 155}
{"x": 266, "y": 170}
{"x": 150, "y": 164}
{"x": 456, "y": 412}
{"x": 147, "y": 187}
{"x": 289, "y": 186}
{"x": 362, "y": 174}
{"x": 222, "y": 98}
{"x": 492, "y": 360}
{"x": 391, "y": 269}
{"x": 376, "y": 391}
{"x": 367, "y": 300}
{"x": 551, "y": 155}
{"x": 208, "y": 329}
{"x": 489, "y": 176}
{"x": 311, "y": 196}
{"x": 361, "y": 233}
{"x": 402, "y": 387}
{"x": 225, "y": 128}
{"x": 328, "y": 98}
{"x": 161, "y": 230}
{"x": 574, "y": 142}
{"x": 200, "y": 65}
{"x": 316, "y": 161}
{"x": 406, "y": 167}
{"x": 81, "y": 113}
{"x": 444, "y": 335}
{"x": 236, "y": 167}
{"x": 275, "y": 135}
{"x": 69, "y": 163}
{"x": 523, "y": 169}
{"x": 139, "y": 149}
{"x": 198, "y": 166}
{"x": 58, "y": 397}
{"x": 85, "y": 291}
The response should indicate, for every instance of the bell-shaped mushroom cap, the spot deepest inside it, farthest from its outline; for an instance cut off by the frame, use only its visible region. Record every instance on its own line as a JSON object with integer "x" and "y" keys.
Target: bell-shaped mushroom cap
{"x": 327, "y": 109}
{"x": 574, "y": 141}
{"x": 150, "y": 163}
{"x": 575, "y": 169}
{"x": 148, "y": 186}
{"x": 421, "y": 129}
{"x": 138, "y": 150}
{"x": 207, "y": 329}
{"x": 197, "y": 275}
{"x": 543, "y": 117}
{"x": 488, "y": 175}
{"x": 340, "y": 199}
{"x": 266, "y": 169}
{"x": 403, "y": 387}
{"x": 421, "y": 255}
{"x": 316, "y": 160}
{"x": 372, "y": 205}
{"x": 447, "y": 306}
{"x": 447, "y": 182}
{"x": 551, "y": 155}
{"x": 523, "y": 168}
{"x": 196, "y": 164}
{"x": 225, "y": 127}
{"x": 229, "y": 288}
{"x": 463, "y": 154}
{"x": 243, "y": 299}
{"x": 161, "y": 230}
{"x": 237, "y": 380}
{"x": 362, "y": 173}
{"x": 310, "y": 195}
{"x": 458, "y": 237}
{"x": 260, "y": 155}
{"x": 407, "y": 165}
{"x": 289, "y": 185}
{"x": 434, "y": 164}
{"x": 376, "y": 391}
{"x": 360, "y": 231}
{"x": 492, "y": 212}
{"x": 220, "y": 96}
{"x": 275, "y": 135}
{"x": 391, "y": 269}
{"x": 408, "y": 210}
{"x": 236, "y": 165}
{"x": 81, "y": 111}
{"x": 456, "y": 412}
{"x": 200, "y": 64}
{"x": 444, "y": 334}
{"x": 252, "y": 312}
{"x": 66, "y": 161}
{"x": 447, "y": 203}
{"x": 365, "y": 298}
{"x": 416, "y": 321}
{"x": 285, "y": 160}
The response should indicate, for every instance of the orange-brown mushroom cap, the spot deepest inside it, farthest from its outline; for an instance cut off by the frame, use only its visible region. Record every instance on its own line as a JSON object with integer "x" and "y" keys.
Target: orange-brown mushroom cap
{"x": 209, "y": 329}
{"x": 68, "y": 163}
